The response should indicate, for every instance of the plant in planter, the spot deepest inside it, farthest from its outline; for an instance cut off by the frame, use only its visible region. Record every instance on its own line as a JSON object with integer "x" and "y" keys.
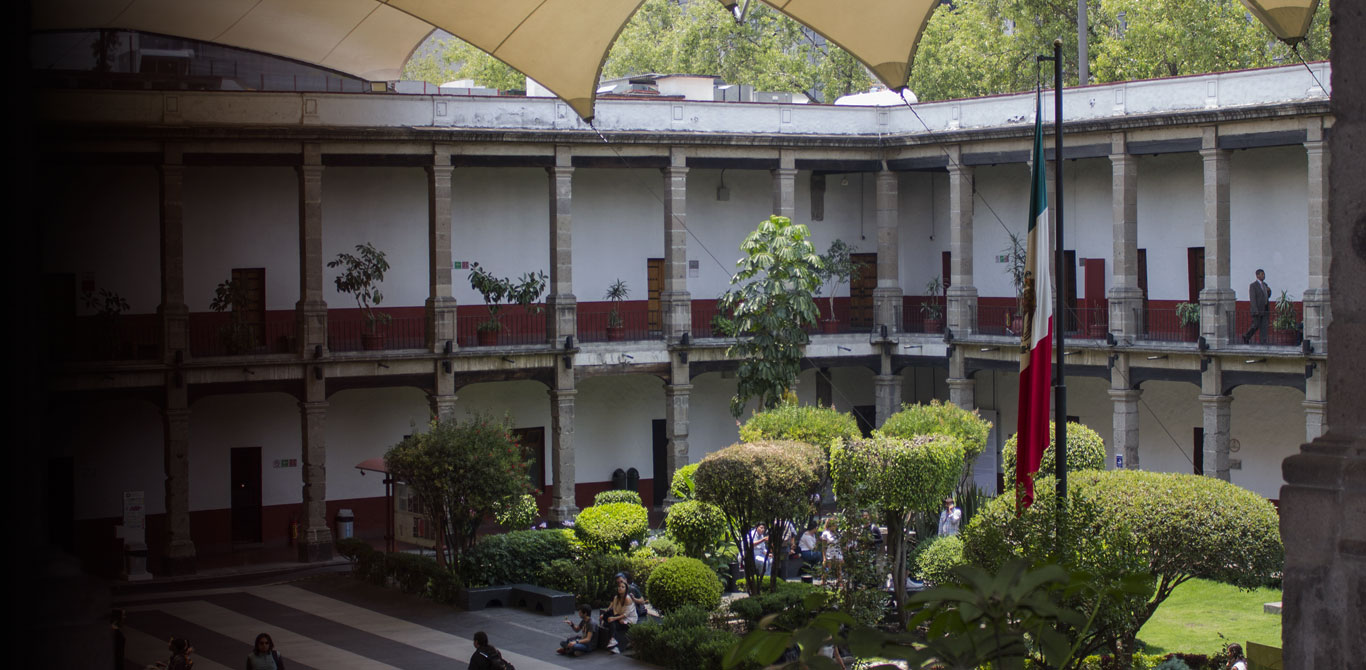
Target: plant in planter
{"x": 1015, "y": 254}
{"x": 837, "y": 267}
{"x": 109, "y": 306}
{"x": 1284, "y": 321}
{"x": 931, "y": 309}
{"x": 361, "y": 275}
{"x": 230, "y": 296}
{"x": 616, "y": 292}
{"x": 499, "y": 292}
{"x": 1188, "y": 317}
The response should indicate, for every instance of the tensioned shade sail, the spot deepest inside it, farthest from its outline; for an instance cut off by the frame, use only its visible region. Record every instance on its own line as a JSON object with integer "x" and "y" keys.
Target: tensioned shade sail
{"x": 1288, "y": 20}
{"x": 559, "y": 43}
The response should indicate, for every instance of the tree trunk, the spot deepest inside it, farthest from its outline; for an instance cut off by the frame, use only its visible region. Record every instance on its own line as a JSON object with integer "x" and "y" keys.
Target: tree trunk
{"x": 896, "y": 549}
{"x": 1124, "y": 649}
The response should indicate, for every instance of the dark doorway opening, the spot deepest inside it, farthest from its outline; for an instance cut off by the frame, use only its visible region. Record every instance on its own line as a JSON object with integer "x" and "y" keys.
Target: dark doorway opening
{"x": 1198, "y": 453}
{"x": 865, "y": 415}
{"x": 533, "y": 448}
{"x": 246, "y": 494}
{"x": 659, "y": 450}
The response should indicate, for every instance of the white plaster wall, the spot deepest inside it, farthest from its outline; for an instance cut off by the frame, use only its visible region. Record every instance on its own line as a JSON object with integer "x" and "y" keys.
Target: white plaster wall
{"x": 1088, "y": 399}
{"x": 221, "y": 423}
{"x": 240, "y": 218}
{"x": 613, "y": 417}
{"x": 1168, "y": 413}
{"x": 999, "y": 390}
{"x": 1268, "y": 423}
{"x": 922, "y": 228}
{"x": 526, "y": 402}
{"x": 618, "y": 225}
{"x": 500, "y": 219}
{"x": 363, "y": 424}
{"x": 117, "y": 446}
{"x": 1171, "y": 218}
{"x": 386, "y": 207}
{"x": 104, "y": 222}
{"x": 1269, "y": 219}
{"x": 716, "y": 228}
{"x": 1088, "y": 215}
{"x": 710, "y": 425}
{"x": 1001, "y": 204}
{"x": 850, "y": 213}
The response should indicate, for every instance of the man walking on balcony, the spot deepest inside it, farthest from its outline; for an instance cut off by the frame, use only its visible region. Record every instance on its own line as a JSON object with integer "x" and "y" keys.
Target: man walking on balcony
{"x": 1259, "y": 295}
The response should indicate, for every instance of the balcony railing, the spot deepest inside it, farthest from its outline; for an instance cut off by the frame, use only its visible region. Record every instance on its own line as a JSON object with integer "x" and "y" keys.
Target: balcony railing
{"x": 635, "y": 325}
{"x": 515, "y": 327}
{"x": 1161, "y": 324}
{"x": 215, "y": 335}
{"x": 352, "y": 333}
{"x": 1088, "y": 323}
{"x": 133, "y": 337}
{"x": 995, "y": 319}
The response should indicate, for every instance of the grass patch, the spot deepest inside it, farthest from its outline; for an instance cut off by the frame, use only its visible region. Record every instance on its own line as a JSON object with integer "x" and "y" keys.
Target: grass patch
{"x": 1198, "y": 611}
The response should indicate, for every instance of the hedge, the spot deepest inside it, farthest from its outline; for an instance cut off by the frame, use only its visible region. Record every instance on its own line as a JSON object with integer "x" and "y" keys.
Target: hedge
{"x": 696, "y": 525}
{"x": 513, "y": 558}
{"x": 680, "y": 581}
{"x": 592, "y": 580}
{"x": 939, "y": 418}
{"x": 938, "y": 559}
{"x": 683, "y": 640}
{"x": 1085, "y": 451}
{"x": 821, "y": 426}
{"x": 617, "y": 496}
{"x": 613, "y": 526}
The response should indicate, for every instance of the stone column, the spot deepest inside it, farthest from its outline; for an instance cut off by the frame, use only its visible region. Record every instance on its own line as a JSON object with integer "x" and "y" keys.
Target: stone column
{"x": 675, "y": 303}
{"x": 1124, "y": 398}
{"x": 962, "y": 388}
{"x": 173, "y": 314}
{"x": 315, "y": 537}
{"x": 1317, "y": 310}
{"x": 311, "y": 309}
{"x": 886, "y": 387}
{"x": 1217, "y": 298}
{"x": 440, "y": 304}
{"x": 785, "y": 185}
{"x": 1215, "y": 409}
{"x": 887, "y": 295}
{"x": 962, "y": 295}
{"x": 1125, "y": 297}
{"x": 179, "y": 551}
{"x": 1316, "y": 402}
{"x": 561, "y": 305}
{"x": 562, "y": 501}
{"x": 676, "y": 399}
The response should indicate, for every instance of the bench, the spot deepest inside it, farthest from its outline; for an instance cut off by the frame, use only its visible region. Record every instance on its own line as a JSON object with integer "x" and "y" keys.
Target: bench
{"x": 484, "y": 596}
{"x": 543, "y": 600}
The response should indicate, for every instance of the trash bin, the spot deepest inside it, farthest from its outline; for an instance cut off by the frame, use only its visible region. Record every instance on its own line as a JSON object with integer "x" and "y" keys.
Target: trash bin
{"x": 633, "y": 480}
{"x": 618, "y": 479}
{"x": 346, "y": 524}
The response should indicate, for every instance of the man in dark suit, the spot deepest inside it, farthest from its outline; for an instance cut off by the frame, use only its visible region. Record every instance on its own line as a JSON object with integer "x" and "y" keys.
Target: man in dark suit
{"x": 1259, "y": 295}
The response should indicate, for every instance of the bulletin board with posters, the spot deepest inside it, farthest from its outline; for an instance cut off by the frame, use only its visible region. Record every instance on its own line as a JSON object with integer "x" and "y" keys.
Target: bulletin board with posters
{"x": 411, "y": 522}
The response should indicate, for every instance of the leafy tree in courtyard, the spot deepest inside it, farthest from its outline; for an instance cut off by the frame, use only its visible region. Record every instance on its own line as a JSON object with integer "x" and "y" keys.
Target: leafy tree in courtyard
{"x": 760, "y": 482}
{"x": 896, "y": 478}
{"x": 938, "y": 418}
{"x": 821, "y": 426}
{"x": 460, "y": 470}
{"x": 772, "y": 302}
{"x": 1169, "y": 527}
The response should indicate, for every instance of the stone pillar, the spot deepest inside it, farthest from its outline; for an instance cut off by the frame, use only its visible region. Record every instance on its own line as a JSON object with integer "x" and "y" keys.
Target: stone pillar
{"x": 887, "y": 295}
{"x": 1217, "y": 298}
{"x": 179, "y": 551}
{"x": 1316, "y": 402}
{"x": 1215, "y": 408}
{"x": 962, "y": 295}
{"x": 785, "y": 185}
{"x": 886, "y": 397}
{"x": 1125, "y": 401}
{"x": 1125, "y": 297}
{"x": 440, "y": 304}
{"x": 315, "y": 537}
{"x": 562, "y": 501}
{"x": 311, "y": 309}
{"x": 561, "y": 305}
{"x": 172, "y": 312}
{"x": 675, "y": 303}
{"x": 962, "y": 388}
{"x": 1317, "y": 309}
{"x": 676, "y": 455}
{"x": 442, "y": 405}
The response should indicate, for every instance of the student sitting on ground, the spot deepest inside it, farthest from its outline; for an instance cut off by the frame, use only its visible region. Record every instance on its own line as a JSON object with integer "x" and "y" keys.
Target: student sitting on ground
{"x": 583, "y": 642}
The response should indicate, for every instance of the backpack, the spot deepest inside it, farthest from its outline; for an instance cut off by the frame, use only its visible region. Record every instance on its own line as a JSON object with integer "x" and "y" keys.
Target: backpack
{"x": 497, "y": 662}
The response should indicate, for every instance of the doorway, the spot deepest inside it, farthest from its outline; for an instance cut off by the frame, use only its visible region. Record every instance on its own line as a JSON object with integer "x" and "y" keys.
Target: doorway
{"x": 654, "y": 284}
{"x": 659, "y": 449}
{"x": 252, "y": 283}
{"x": 533, "y": 449}
{"x": 861, "y": 287}
{"x": 245, "y": 467}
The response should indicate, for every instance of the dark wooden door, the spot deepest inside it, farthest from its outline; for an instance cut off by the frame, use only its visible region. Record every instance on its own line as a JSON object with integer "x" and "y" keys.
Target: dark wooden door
{"x": 659, "y": 450}
{"x": 861, "y": 287}
{"x": 533, "y": 448}
{"x": 252, "y": 282}
{"x": 245, "y": 469}
{"x": 1143, "y": 288}
{"x": 1198, "y": 450}
{"x": 654, "y": 278}
{"x": 1195, "y": 272}
{"x": 945, "y": 267}
{"x": 1069, "y": 288}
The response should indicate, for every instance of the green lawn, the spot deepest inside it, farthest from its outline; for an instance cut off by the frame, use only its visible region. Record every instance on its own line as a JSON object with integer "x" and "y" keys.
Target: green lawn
{"x": 1198, "y": 611}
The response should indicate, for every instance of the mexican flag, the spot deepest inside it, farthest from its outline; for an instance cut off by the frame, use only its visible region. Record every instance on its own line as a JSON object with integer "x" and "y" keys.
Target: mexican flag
{"x": 1036, "y": 360}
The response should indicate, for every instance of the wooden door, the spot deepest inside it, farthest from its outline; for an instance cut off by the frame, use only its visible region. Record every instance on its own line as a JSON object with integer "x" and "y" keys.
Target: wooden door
{"x": 1069, "y": 288}
{"x": 654, "y": 277}
{"x": 1195, "y": 272}
{"x": 1143, "y": 288}
{"x": 861, "y": 287}
{"x": 252, "y": 282}
{"x": 533, "y": 448}
{"x": 1198, "y": 451}
{"x": 245, "y": 469}
{"x": 946, "y": 268}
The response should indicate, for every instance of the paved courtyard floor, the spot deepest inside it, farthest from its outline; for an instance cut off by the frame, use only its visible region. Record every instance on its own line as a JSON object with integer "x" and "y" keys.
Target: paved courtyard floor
{"x": 327, "y": 620}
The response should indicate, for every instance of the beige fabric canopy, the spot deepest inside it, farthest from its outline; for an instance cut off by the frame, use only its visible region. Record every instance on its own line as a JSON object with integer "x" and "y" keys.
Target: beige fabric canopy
{"x": 559, "y": 43}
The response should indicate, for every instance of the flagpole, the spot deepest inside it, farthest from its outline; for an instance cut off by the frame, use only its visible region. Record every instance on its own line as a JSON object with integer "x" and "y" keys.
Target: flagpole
{"x": 1060, "y": 312}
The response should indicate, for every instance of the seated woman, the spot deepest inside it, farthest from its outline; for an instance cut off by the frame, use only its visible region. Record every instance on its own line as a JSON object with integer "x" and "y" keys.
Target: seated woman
{"x": 620, "y": 616}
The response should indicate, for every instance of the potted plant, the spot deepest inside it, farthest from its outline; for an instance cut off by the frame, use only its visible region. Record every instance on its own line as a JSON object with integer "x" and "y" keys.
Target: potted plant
{"x": 1016, "y": 268}
{"x": 361, "y": 275}
{"x": 109, "y": 306}
{"x": 499, "y": 292}
{"x": 837, "y": 267}
{"x": 616, "y": 293}
{"x": 237, "y": 336}
{"x": 1188, "y": 318}
{"x": 931, "y": 309}
{"x": 1284, "y": 321}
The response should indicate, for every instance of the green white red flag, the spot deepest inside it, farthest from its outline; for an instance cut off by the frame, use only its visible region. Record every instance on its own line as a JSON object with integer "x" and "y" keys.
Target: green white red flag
{"x": 1036, "y": 360}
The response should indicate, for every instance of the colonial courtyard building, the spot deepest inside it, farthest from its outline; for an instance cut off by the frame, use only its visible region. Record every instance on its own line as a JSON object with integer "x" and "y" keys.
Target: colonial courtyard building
{"x": 162, "y": 185}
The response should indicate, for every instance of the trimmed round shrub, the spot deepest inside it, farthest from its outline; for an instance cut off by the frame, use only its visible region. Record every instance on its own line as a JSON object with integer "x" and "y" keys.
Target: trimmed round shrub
{"x": 695, "y": 525}
{"x": 937, "y": 561}
{"x": 681, "y": 485}
{"x": 515, "y": 513}
{"x": 513, "y": 558}
{"x": 353, "y": 549}
{"x": 890, "y": 474}
{"x": 612, "y": 527}
{"x": 821, "y": 426}
{"x": 617, "y": 496}
{"x": 939, "y": 418}
{"x": 681, "y": 581}
{"x": 1085, "y": 451}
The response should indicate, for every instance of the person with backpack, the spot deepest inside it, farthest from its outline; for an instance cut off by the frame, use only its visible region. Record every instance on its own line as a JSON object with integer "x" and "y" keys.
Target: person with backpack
{"x": 486, "y": 656}
{"x": 180, "y": 655}
{"x": 263, "y": 655}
